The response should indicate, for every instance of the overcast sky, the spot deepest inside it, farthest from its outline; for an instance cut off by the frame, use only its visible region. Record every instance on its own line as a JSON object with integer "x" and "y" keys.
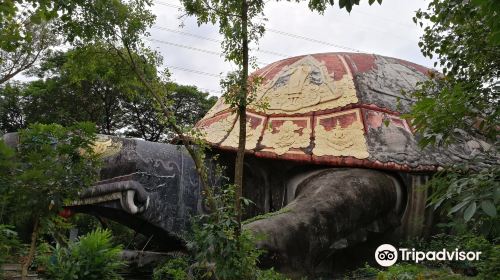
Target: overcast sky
{"x": 192, "y": 51}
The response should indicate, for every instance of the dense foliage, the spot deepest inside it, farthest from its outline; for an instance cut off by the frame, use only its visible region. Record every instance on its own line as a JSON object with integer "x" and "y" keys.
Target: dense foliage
{"x": 485, "y": 268}
{"x": 9, "y": 243}
{"x": 241, "y": 23}
{"x": 7, "y": 168}
{"x": 28, "y": 28}
{"x": 217, "y": 250}
{"x": 172, "y": 269}
{"x": 111, "y": 78}
{"x": 92, "y": 84}
{"x": 464, "y": 37}
{"x": 403, "y": 271}
{"x": 469, "y": 198}
{"x": 92, "y": 256}
{"x": 463, "y": 101}
{"x": 51, "y": 167}
{"x": 460, "y": 34}
{"x": 52, "y": 163}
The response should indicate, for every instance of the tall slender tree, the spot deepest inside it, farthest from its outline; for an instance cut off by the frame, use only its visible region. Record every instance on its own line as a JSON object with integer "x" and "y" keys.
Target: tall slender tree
{"x": 241, "y": 22}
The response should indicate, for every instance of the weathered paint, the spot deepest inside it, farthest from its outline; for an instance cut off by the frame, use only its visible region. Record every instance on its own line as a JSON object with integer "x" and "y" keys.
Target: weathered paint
{"x": 331, "y": 209}
{"x": 164, "y": 185}
{"x": 310, "y": 115}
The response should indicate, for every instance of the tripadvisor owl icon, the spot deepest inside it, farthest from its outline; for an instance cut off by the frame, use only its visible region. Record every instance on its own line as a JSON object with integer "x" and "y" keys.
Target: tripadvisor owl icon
{"x": 386, "y": 255}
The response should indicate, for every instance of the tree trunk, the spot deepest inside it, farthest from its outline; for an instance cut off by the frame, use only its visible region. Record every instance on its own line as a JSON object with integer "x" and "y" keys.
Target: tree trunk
{"x": 186, "y": 142}
{"x": 238, "y": 168}
{"x": 31, "y": 253}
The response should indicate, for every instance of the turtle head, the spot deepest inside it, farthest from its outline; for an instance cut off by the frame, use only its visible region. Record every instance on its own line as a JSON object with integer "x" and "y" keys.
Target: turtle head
{"x": 152, "y": 188}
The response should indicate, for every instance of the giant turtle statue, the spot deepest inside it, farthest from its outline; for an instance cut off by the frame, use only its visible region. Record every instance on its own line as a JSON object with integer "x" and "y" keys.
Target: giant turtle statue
{"x": 330, "y": 156}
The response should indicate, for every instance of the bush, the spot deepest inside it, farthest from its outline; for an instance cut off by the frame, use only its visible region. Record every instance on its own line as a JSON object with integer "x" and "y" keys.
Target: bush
{"x": 418, "y": 272}
{"x": 489, "y": 268}
{"x": 91, "y": 257}
{"x": 365, "y": 272}
{"x": 218, "y": 250}
{"x": 403, "y": 271}
{"x": 270, "y": 274}
{"x": 174, "y": 269}
{"x": 468, "y": 198}
{"x": 9, "y": 243}
{"x": 178, "y": 269}
{"x": 467, "y": 242}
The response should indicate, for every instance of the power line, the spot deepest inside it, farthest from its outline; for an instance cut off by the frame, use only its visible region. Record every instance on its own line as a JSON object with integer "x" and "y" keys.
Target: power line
{"x": 169, "y": 5}
{"x": 273, "y": 53}
{"x": 210, "y": 39}
{"x": 199, "y": 73}
{"x": 284, "y": 33}
{"x": 186, "y": 33}
{"x": 192, "y": 48}
{"x": 193, "y": 71}
{"x": 184, "y": 46}
{"x": 310, "y": 39}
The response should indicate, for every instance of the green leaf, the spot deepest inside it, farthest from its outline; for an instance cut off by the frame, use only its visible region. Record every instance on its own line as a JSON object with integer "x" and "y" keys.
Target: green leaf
{"x": 470, "y": 211}
{"x": 342, "y": 3}
{"x": 457, "y": 207}
{"x": 489, "y": 208}
{"x": 496, "y": 195}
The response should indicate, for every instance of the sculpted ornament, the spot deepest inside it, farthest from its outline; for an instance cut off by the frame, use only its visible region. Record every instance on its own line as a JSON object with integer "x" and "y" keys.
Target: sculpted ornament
{"x": 287, "y": 137}
{"x": 216, "y": 131}
{"x": 252, "y": 135}
{"x": 340, "y": 141}
{"x": 105, "y": 147}
{"x": 306, "y": 86}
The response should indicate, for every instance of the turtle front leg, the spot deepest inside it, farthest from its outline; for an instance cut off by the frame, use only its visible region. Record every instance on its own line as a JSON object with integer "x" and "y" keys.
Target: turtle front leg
{"x": 331, "y": 209}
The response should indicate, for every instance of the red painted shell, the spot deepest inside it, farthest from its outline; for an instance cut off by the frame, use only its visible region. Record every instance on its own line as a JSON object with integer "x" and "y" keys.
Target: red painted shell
{"x": 340, "y": 109}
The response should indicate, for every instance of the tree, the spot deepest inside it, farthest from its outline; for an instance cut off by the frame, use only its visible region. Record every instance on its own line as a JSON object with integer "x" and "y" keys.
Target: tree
{"x": 89, "y": 75}
{"x": 12, "y": 108}
{"x": 29, "y": 27}
{"x": 27, "y": 31}
{"x": 17, "y": 19}
{"x": 239, "y": 24}
{"x": 120, "y": 25}
{"x": 92, "y": 84}
{"x": 7, "y": 169}
{"x": 464, "y": 99}
{"x": 466, "y": 95}
{"x": 50, "y": 168}
{"x": 24, "y": 56}
{"x": 188, "y": 104}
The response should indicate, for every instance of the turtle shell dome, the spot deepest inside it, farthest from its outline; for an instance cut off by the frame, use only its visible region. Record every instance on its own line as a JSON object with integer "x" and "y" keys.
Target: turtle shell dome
{"x": 340, "y": 109}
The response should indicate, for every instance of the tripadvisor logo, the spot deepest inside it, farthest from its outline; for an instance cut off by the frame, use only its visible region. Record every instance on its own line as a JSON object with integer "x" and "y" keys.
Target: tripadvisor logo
{"x": 387, "y": 255}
